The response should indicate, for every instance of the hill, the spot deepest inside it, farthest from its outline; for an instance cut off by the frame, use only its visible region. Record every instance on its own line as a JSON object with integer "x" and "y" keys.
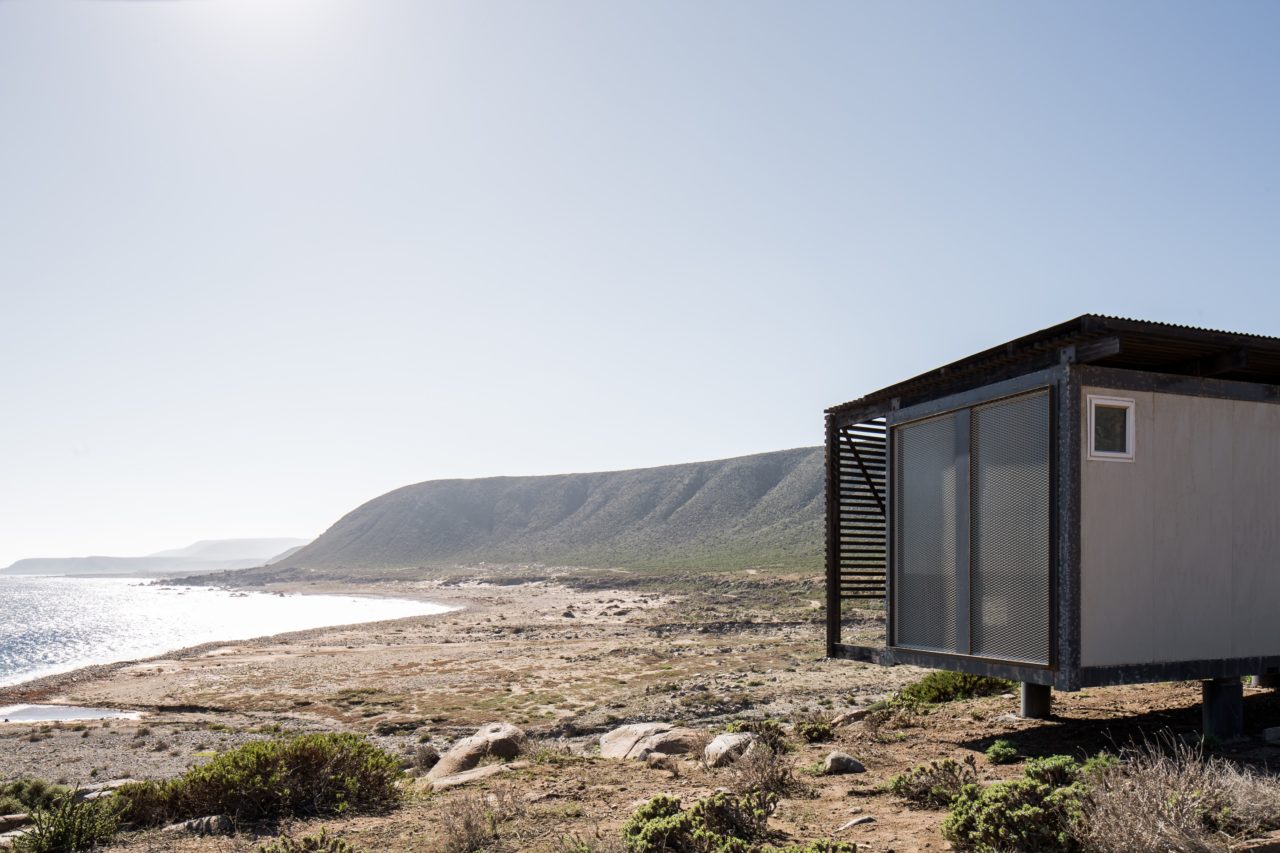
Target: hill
{"x": 210, "y": 555}
{"x": 764, "y": 509}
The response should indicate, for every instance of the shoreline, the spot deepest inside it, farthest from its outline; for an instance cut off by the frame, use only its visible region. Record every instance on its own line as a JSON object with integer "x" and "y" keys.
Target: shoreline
{"x": 41, "y": 687}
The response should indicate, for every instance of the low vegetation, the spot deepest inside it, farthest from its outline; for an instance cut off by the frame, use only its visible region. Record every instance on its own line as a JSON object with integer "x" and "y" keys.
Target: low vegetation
{"x": 768, "y": 732}
{"x": 1038, "y": 812}
{"x": 934, "y": 785}
{"x": 27, "y": 795}
{"x": 1176, "y": 799}
{"x": 1002, "y": 752}
{"x": 814, "y": 727}
{"x": 473, "y": 821}
{"x": 304, "y": 776}
{"x": 322, "y": 843}
{"x": 68, "y": 824}
{"x": 944, "y": 686}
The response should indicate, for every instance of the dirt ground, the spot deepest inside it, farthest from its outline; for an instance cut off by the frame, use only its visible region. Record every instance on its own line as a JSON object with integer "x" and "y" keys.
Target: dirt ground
{"x": 568, "y": 665}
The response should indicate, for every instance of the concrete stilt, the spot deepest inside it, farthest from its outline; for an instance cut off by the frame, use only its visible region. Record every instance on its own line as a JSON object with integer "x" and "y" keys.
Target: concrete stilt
{"x": 1270, "y": 678}
{"x": 1037, "y": 701}
{"x": 1222, "y": 708}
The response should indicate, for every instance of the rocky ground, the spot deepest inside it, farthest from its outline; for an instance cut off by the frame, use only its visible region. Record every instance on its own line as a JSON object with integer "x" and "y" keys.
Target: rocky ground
{"x": 568, "y": 665}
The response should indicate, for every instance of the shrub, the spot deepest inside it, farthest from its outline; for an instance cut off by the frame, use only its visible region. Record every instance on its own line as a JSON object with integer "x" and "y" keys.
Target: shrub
{"x": 762, "y": 769}
{"x": 815, "y": 847}
{"x": 1174, "y": 799}
{"x": 814, "y": 727}
{"x": 936, "y": 784}
{"x": 1002, "y": 752}
{"x": 471, "y": 822}
{"x": 303, "y": 776}
{"x": 1020, "y": 814}
{"x": 768, "y": 732}
{"x": 69, "y": 824}
{"x": 720, "y": 823}
{"x": 322, "y": 843}
{"x": 26, "y": 795}
{"x": 944, "y": 686}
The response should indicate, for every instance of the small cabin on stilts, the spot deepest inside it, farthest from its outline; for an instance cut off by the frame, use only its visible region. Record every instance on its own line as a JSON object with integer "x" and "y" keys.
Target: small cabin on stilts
{"x": 1096, "y": 503}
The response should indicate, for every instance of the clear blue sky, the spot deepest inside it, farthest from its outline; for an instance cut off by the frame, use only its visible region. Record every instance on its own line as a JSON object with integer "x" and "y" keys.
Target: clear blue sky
{"x": 261, "y": 261}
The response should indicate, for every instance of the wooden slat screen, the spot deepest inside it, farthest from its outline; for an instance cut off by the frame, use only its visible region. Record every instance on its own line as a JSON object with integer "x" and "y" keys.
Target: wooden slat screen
{"x": 860, "y": 525}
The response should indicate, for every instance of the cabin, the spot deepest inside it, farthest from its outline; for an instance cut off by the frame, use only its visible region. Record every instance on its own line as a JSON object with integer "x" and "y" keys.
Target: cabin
{"x": 1096, "y": 503}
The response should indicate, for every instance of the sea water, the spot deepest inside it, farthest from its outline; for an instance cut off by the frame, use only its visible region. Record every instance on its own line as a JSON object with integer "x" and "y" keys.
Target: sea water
{"x": 55, "y": 624}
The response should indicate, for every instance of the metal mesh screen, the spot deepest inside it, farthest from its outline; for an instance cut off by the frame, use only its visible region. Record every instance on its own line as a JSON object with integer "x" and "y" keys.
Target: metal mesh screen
{"x": 924, "y": 535}
{"x": 1011, "y": 512}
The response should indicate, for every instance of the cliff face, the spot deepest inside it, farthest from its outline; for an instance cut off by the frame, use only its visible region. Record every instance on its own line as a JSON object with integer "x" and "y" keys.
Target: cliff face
{"x": 752, "y": 510}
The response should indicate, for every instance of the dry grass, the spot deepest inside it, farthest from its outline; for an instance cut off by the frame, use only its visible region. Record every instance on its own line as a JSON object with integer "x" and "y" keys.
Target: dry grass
{"x": 762, "y": 769}
{"x": 472, "y": 820}
{"x": 1169, "y": 796}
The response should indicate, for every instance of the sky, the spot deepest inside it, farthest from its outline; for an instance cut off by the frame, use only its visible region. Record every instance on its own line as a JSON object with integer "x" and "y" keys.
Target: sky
{"x": 262, "y": 261}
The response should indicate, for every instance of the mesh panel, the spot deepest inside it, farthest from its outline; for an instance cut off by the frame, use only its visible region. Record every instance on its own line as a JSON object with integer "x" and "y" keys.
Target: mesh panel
{"x": 1009, "y": 554}
{"x": 924, "y": 537}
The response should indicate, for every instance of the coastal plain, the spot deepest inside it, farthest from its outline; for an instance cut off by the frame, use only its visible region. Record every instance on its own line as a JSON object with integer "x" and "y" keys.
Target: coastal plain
{"x": 566, "y": 657}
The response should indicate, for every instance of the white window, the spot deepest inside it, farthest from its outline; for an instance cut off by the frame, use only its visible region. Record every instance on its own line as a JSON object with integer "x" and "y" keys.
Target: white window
{"x": 1111, "y": 428}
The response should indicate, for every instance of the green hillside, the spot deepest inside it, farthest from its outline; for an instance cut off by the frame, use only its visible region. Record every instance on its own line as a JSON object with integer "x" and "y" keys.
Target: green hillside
{"x": 764, "y": 509}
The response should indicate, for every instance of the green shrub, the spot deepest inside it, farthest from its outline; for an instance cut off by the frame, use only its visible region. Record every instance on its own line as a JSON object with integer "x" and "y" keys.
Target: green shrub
{"x": 936, "y": 784}
{"x": 1002, "y": 752}
{"x": 68, "y": 825}
{"x": 768, "y": 732}
{"x": 27, "y": 795}
{"x": 720, "y": 823}
{"x": 1035, "y": 813}
{"x": 322, "y": 843}
{"x": 944, "y": 686}
{"x": 303, "y": 776}
{"x": 815, "y": 847}
{"x": 814, "y": 727}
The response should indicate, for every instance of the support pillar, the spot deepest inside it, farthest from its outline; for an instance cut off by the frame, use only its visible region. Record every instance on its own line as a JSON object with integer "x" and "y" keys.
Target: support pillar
{"x": 1270, "y": 678}
{"x": 1222, "y": 708}
{"x": 1037, "y": 701}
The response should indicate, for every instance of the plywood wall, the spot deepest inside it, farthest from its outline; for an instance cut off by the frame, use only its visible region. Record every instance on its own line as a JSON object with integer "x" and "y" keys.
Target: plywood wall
{"x": 1180, "y": 548}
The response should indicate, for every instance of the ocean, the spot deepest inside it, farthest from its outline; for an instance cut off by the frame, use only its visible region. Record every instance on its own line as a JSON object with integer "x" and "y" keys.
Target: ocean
{"x": 55, "y": 624}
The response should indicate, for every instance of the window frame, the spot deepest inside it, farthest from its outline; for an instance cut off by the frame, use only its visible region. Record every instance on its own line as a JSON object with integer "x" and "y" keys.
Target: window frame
{"x": 1129, "y": 404}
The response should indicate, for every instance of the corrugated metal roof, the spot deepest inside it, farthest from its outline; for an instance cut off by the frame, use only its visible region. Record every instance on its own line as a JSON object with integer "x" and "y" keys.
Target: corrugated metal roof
{"x": 1119, "y": 342}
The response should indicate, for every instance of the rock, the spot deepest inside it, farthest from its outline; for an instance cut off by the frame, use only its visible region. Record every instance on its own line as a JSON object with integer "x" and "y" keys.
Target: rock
{"x": 569, "y": 614}
{"x": 498, "y": 739}
{"x": 619, "y": 742}
{"x": 850, "y": 716}
{"x": 726, "y": 748}
{"x": 1271, "y": 735}
{"x": 443, "y": 783}
{"x": 13, "y": 821}
{"x": 218, "y": 824}
{"x": 839, "y": 763}
{"x": 673, "y": 742}
{"x": 97, "y": 792}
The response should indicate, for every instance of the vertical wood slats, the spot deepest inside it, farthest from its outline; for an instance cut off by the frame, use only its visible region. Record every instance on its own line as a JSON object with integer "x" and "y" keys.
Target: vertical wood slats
{"x": 857, "y": 517}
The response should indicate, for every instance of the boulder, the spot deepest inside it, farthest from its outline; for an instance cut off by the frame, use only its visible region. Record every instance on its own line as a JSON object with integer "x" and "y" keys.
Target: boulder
{"x": 672, "y": 742}
{"x": 839, "y": 763}
{"x": 443, "y": 783}
{"x": 638, "y": 741}
{"x": 497, "y": 739}
{"x": 619, "y": 742}
{"x": 727, "y": 748}
{"x": 1271, "y": 735}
